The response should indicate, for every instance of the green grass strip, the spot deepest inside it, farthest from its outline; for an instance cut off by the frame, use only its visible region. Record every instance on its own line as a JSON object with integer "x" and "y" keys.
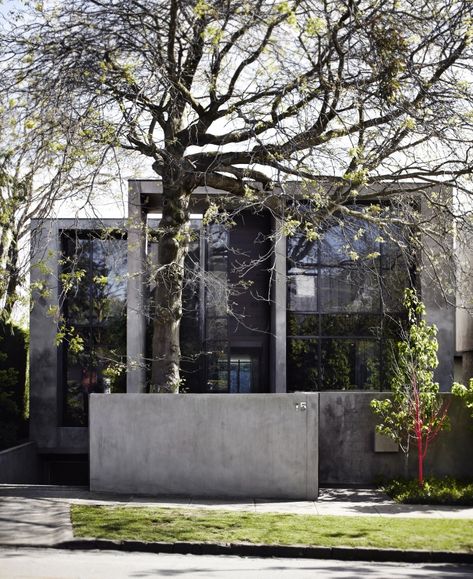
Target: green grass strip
{"x": 170, "y": 525}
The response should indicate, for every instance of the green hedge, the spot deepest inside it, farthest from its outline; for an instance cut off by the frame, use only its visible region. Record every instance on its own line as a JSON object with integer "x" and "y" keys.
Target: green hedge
{"x": 434, "y": 491}
{"x": 13, "y": 385}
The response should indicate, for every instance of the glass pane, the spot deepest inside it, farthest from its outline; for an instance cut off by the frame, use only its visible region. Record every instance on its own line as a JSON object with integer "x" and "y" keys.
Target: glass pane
{"x": 217, "y": 329}
{"x": 216, "y": 293}
{"x": 96, "y": 306}
{"x": 217, "y": 367}
{"x": 75, "y": 276}
{"x": 241, "y": 375}
{"x": 395, "y": 281}
{"x": 217, "y": 248}
{"x": 395, "y": 246}
{"x": 347, "y": 240}
{"x": 245, "y": 370}
{"x": 349, "y": 290}
{"x": 302, "y": 365}
{"x": 367, "y": 371}
{"x": 350, "y": 364}
{"x": 108, "y": 356}
{"x": 353, "y": 325}
{"x": 301, "y": 252}
{"x": 108, "y": 278}
{"x": 78, "y": 382}
{"x": 388, "y": 363}
{"x": 302, "y": 324}
{"x": 302, "y": 293}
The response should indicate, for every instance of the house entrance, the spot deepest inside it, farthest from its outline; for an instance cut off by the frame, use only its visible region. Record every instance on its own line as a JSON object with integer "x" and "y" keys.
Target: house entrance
{"x": 236, "y": 317}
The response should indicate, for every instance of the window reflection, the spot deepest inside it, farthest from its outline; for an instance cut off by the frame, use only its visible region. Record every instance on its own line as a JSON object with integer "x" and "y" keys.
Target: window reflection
{"x": 302, "y": 292}
{"x": 349, "y": 289}
{"x": 217, "y": 367}
{"x": 344, "y": 293}
{"x": 93, "y": 276}
{"x": 303, "y": 368}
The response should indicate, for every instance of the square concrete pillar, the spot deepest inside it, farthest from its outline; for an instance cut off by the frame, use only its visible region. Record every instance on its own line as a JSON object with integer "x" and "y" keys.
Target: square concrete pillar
{"x": 136, "y": 300}
{"x": 278, "y": 313}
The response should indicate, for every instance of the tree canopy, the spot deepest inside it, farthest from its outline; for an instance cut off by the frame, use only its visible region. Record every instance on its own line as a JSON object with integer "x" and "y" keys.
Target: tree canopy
{"x": 367, "y": 99}
{"x": 380, "y": 90}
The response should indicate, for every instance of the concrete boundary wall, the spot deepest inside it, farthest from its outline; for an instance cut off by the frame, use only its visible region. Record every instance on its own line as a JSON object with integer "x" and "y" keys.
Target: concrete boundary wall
{"x": 347, "y": 443}
{"x": 227, "y": 445}
{"x": 20, "y": 465}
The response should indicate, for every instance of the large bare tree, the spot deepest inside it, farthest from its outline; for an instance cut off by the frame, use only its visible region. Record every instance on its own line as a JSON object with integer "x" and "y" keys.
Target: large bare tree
{"x": 367, "y": 97}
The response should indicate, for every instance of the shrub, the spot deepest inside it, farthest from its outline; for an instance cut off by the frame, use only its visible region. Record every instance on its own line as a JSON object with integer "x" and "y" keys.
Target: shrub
{"x": 434, "y": 491}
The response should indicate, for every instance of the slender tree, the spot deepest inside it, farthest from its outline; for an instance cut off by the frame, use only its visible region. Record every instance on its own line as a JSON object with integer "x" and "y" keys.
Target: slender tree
{"x": 364, "y": 99}
{"x": 415, "y": 412}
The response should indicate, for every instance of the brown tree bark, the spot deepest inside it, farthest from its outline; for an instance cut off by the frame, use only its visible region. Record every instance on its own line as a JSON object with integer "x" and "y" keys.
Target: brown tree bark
{"x": 172, "y": 249}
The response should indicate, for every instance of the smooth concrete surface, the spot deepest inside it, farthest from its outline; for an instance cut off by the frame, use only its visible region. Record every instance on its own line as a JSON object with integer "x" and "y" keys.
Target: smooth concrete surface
{"x": 20, "y": 464}
{"x": 31, "y": 521}
{"x": 278, "y": 311}
{"x": 436, "y": 277}
{"x": 135, "y": 313}
{"x": 347, "y": 443}
{"x": 43, "y": 329}
{"x": 217, "y": 445}
{"x": 464, "y": 297}
{"x": 57, "y": 564}
{"x": 467, "y": 367}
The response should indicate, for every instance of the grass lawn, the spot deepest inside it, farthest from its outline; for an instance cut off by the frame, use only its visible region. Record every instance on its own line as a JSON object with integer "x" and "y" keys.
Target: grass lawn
{"x": 165, "y": 524}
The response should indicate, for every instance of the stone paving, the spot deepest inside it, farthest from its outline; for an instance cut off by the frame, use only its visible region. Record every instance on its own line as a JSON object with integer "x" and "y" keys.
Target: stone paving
{"x": 35, "y": 514}
{"x": 30, "y": 521}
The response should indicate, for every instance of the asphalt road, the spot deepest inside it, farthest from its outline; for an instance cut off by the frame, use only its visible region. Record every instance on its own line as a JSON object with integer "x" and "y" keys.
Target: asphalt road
{"x": 54, "y": 564}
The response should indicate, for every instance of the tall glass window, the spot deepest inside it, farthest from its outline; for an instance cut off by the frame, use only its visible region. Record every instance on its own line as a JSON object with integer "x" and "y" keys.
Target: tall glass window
{"x": 237, "y": 308}
{"x": 93, "y": 281}
{"x": 216, "y": 310}
{"x": 344, "y": 306}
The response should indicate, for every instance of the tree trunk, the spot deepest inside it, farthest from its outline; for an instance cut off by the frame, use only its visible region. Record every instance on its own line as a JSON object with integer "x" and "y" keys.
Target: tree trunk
{"x": 406, "y": 465}
{"x": 173, "y": 244}
{"x": 13, "y": 276}
{"x": 420, "y": 461}
{"x": 5, "y": 243}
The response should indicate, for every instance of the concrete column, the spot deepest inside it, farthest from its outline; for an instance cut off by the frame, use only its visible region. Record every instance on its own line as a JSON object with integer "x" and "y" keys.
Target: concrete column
{"x": 437, "y": 285}
{"x": 136, "y": 319}
{"x": 44, "y": 372}
{"x": 467, "y": 367}
{"x": 278, "y": 313}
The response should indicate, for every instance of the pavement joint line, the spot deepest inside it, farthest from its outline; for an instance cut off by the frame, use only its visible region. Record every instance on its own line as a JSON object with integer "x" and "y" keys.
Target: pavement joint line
{"x": 256, "y": 550}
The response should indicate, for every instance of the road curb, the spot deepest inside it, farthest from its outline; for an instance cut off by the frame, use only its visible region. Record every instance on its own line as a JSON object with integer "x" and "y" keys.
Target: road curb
{"x": 256, "y": 550}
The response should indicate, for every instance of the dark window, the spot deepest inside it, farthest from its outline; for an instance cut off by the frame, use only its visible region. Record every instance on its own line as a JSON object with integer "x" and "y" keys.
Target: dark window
{"x": 93, "y": 289}
{"x": 237, "y": 310}
{"x": 344, "y": 305}
{"x": 190, "y": 330}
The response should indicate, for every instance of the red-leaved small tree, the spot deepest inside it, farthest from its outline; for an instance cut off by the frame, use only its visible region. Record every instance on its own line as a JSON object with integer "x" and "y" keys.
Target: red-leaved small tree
{"x": 415, "y": 412}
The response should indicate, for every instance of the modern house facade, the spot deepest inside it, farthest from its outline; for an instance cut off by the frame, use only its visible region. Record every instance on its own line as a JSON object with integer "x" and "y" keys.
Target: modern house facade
{"x": 263, "y": 313}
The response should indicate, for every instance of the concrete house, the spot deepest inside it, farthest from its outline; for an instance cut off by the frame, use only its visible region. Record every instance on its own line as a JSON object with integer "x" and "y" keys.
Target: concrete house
{"x": 263, "y": 314}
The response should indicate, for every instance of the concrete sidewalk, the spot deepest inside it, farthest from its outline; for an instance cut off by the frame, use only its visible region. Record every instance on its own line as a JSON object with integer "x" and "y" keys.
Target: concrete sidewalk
{"x": 37, "y": 515}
